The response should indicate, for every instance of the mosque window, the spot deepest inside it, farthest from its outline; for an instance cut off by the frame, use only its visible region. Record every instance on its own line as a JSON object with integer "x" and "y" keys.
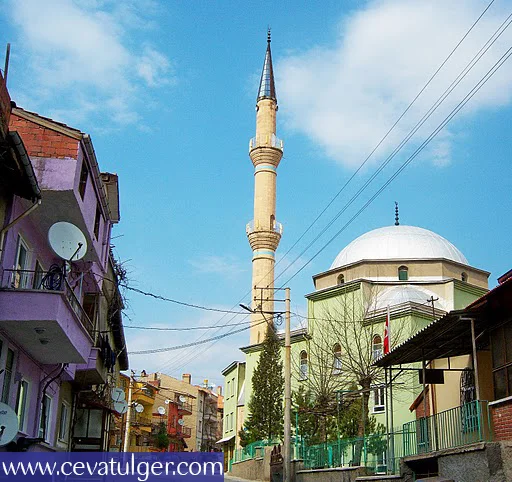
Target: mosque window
{"x": 303, "y": 365}
{"x": 337, "y": 365}
{"x": 377, "y": 347}
{"x": 379, "y": 400}
{"x": 464, "y": 276}
{"x": 403, "y": 273}
{"x": 341, "y": 279}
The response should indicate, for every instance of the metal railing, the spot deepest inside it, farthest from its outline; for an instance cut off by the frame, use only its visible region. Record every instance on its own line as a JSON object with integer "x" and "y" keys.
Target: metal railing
{"x": 252, "y": 450}
{"x": 252, "y": 227}
{"x": 52, "y": 280}
{"x": 459, "y": 426}
{"x": 381, "y": 453}
{"x": 185, "y": 406}
{"x": 266, "y": 141}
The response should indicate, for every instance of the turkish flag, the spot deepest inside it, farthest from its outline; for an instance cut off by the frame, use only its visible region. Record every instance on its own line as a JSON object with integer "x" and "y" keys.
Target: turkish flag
{"x": 387, "y": 334}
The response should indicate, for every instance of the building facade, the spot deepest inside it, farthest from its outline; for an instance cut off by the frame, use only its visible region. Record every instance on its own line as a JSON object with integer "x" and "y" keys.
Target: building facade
{"x": 61, "y": 336}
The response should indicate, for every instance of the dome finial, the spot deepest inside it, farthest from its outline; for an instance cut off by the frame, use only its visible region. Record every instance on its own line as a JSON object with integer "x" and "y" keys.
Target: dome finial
{"x": 268, "y": 34}
{"x": 397, "y": 222}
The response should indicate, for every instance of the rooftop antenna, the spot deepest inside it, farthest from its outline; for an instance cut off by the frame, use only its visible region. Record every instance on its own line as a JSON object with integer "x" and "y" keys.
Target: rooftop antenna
{"x": 397, "y": 223}
{"x": 7, "y": 55}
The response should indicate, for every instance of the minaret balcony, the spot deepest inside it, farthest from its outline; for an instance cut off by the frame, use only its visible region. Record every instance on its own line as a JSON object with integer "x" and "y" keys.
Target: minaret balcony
{"x": 252, "y": 227}
{"x": 266, "y": 141}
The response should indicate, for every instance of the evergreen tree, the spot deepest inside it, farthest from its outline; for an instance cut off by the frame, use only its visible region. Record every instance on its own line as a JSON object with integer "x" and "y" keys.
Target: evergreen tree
{"x": 265, "y": 420}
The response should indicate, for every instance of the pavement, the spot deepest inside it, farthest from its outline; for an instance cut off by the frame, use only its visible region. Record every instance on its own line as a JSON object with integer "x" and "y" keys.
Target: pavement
{"x": 229, "y": 478}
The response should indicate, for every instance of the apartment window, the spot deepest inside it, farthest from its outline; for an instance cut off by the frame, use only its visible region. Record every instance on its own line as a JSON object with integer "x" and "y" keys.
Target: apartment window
{"x": 89, "y": 423}
{"x": 377, "y": 347}
{"x": 21, "y": 277}
{"x": 64, "y": 423}
{"x": 303, "y": 375}
{"x": 228, "y": 389}
{"x": 90, "y": 304}
{"x": 9, "y": 363}
{"x": 337, "y": 365}
{"x": 233, "y": 387}
{"x": 44, "y": 421}
{"x": 502, "y": 360}
{"x": 84, "y": 174}
{"x": 21, "y": 404}
{"x": 379, "y": 400}
{"x": 403, "y": 273}
{"x": 97, "y": 221}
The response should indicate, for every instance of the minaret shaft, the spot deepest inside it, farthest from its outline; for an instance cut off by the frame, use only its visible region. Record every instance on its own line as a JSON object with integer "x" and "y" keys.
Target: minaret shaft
{"x": 264, "y": 232}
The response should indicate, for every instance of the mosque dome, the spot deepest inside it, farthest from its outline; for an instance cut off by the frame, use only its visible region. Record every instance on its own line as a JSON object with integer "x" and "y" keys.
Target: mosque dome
{"x": 398, "y": 243}
{"x": 397, "y": 295}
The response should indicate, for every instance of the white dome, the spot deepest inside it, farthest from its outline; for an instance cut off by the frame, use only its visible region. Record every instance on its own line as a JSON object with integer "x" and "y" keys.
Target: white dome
{"x": 397, "y": 295}
{"x": 400, "y": 243}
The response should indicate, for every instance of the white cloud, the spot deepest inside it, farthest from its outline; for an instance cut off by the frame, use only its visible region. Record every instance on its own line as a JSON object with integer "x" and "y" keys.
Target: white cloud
{"x": 80, "y": 57}
{"x": 227, "y": 266}
{"x": 346, "y": 96}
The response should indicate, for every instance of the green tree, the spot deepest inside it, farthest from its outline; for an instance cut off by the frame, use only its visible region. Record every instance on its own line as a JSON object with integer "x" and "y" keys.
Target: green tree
{"x": 265, "y": 420}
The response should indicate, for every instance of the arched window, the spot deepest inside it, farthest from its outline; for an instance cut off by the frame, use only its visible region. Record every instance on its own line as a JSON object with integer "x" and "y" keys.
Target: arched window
{"x": 464, "y": 276}
{"x": 303, "y": 365}
{"x": 377, "y": 347}
{"x": 341, "y": 279}
{"x": 337, "y": 365}
{"x": 403, "y": 273}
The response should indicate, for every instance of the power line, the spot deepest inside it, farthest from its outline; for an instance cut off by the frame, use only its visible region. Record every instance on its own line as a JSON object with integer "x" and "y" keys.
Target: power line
{"x": 447, "y": 119}
{"x": 411, "y": 133}
{"x": 187, "y": 345}
{"x": 364, "y": 162}
{"x": 177, "y": 302}
{"x": 381, "y": 141}
{"x": 189, "y": 328}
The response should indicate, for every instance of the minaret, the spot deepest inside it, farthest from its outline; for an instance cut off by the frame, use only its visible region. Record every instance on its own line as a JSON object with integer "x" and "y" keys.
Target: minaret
{"x": 264, "y": 233}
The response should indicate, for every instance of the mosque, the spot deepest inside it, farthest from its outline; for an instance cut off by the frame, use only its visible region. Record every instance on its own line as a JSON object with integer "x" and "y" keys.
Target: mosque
{"x": 400, "y": 277}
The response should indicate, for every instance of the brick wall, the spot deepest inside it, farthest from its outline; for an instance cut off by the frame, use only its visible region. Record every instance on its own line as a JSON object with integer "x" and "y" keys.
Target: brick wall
{"x": 501, "y": 415}
{"x": 5, "y": 108}
{"x": 41, "y": 141}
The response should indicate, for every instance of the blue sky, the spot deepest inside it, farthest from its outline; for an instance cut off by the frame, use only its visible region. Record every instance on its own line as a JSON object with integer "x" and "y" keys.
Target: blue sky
{"x": 167, "y": 92}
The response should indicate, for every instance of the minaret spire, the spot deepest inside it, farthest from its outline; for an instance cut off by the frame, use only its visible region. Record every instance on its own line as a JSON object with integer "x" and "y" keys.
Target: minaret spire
{"x": 264, "y": 232}
{"x": 267, "y": 85}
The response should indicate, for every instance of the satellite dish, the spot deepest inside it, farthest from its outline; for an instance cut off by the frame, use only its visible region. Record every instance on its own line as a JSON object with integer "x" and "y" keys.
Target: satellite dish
{"x": 121, "y": 407}
{"x": 67, "y": 241}
{"x": 181, "y": 422}
{"x": 8, "y": 424}
{"x": 139, "y": 408}
{"x": 183, "y": 398}
{"x": 167, "y": 401}
{"x": 161, "y": 410}
{"x": 117, "y": 395}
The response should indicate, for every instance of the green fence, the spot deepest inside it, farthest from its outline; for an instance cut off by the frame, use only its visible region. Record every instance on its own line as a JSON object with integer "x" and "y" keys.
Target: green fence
{"x": 459, "y": 426}
{"x": 381, "y": 453}
{"x": 252, "y": 450}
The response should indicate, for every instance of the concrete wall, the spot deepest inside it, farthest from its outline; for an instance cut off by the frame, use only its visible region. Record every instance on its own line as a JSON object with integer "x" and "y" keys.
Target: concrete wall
{"x": 338, "y": 474}
{"x": 489, "y": 462}
{"x": 254, "y": 469}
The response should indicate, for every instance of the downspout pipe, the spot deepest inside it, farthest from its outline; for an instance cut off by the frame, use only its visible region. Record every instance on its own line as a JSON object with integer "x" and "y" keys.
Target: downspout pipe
{"x": 16, "y": 221}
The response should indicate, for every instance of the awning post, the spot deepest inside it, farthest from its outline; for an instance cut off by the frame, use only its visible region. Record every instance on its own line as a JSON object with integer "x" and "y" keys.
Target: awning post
{"x": 475, "y": 359}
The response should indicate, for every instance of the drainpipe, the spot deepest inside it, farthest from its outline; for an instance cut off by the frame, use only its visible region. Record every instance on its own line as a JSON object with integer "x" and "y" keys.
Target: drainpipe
{"x": 19, "y": 218}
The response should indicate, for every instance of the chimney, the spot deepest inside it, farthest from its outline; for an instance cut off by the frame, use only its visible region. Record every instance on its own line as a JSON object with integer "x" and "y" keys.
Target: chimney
{"x": 219, "y": 391}
{"x": 187, "y": 378}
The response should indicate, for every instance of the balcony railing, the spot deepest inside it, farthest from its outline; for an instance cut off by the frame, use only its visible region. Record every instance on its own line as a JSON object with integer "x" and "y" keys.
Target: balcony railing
{"x": 184, "y": 407}
{"x": 266, "y": 141}
{"x": 251, "y": 227}
{"x": 459, "y": 426}
{"x": 53, "y": 280}
{"x": 142, "y": 420}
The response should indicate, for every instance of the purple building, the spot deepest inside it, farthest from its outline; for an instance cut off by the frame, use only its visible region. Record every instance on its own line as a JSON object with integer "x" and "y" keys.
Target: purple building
{"x": 61, "y": 337}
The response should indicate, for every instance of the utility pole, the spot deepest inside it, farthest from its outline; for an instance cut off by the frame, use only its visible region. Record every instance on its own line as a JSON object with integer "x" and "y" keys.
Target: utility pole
{"x": 126, "y": 444}
{"x": 287, "y": 391}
